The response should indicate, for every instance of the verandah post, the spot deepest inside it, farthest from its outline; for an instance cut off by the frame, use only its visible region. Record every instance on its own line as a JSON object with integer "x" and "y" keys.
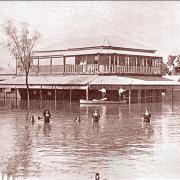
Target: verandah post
{"x": 38, "y": 65}
{"x": 4, "y": 96}
{"x": 16, "y": 96}
{"x": 145, "y": 95}
{"x": 70, "y": 95}
{"x": 87, "y": 93}
{"x": 64, "y": 64}
{"x": 55, "y": 96}
{"x": 41, "y": 95}
{"x": 172, "y": 97}
{"x": 129, "y": 98}
{"x": 51, "y": 65}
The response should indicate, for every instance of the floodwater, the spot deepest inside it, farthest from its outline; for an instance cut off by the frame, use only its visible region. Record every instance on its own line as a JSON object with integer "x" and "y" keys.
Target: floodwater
{"x": 118, "y": 147}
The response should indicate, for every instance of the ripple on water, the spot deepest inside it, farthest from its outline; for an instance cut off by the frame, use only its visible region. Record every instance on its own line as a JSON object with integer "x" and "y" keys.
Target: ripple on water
{"x": 117, "y": 147}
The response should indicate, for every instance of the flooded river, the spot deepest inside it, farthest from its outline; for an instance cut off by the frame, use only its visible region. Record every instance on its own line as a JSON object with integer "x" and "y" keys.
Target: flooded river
{"x": 117, "y": 147}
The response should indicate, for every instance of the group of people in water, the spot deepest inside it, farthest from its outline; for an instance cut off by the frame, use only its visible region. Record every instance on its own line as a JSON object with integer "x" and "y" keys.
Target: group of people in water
{"x": 46, "y": 117}
{"x": 95, "y": 117}
{"x": 95, "y": 114}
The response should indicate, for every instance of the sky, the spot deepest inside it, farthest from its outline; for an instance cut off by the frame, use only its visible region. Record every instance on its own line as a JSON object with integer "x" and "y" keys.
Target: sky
{"x": 138, "y": 24}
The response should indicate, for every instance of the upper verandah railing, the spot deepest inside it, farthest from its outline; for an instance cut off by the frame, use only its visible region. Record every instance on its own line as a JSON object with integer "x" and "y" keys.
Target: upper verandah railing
{"x": 93, "y": 69}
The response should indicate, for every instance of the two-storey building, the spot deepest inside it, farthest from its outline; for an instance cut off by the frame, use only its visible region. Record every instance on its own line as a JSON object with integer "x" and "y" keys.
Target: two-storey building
{"x": 79, "y": 73}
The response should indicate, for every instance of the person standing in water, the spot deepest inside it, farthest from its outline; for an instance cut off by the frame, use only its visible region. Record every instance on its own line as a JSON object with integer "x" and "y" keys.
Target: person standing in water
{"x": 147, "y": 116}
{"x": 77, "y": 119}
{"x": 46, "y": 115}
{"x": 32, "y": 120}
{"x": 95, "y": 115}
{"x": 97, "y": 177}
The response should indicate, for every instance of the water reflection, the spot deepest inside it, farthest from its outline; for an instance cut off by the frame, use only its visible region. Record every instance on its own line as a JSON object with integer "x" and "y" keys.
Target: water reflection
{"x": 8, "y": 177}
{"x": 96, "y": 126}
{"x": 47, "y": 129}
{"x": 116, "y": 146}
{"x": 19, "y": 160}
{"x": 148, "y": 129}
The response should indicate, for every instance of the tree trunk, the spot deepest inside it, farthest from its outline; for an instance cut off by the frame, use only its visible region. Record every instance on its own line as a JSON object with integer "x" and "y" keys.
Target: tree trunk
{"x": 27, "y": 90}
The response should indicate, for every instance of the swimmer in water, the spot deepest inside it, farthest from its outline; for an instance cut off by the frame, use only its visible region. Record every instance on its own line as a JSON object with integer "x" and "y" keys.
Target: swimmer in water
{"x": 95, "y": 115}
{"x": 77, "y": 119}
{"x": 147, "y": 116}
{"x": 32, "y": 120}
{"x": 97, "y": 177}
{"x": 46, "y": 115}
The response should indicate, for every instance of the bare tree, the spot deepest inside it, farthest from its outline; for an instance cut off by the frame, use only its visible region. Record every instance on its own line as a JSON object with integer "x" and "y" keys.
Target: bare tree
{"x": 20, "y": 44}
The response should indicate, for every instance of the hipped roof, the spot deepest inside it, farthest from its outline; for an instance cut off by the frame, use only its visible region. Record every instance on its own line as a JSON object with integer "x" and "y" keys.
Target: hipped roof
{"x": 130, "y": 80}
{"x": 97, "y": 50}
{"x": 50, "y": 80}
{"x": 82, "y": 80}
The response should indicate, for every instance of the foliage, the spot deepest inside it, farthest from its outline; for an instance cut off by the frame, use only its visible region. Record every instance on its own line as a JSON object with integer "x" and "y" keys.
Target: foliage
{"x": 20, "y": 43}
{"x": 164, "y": 68}
{"x": 174, "y": 64}
{"x": 171, "y": 59}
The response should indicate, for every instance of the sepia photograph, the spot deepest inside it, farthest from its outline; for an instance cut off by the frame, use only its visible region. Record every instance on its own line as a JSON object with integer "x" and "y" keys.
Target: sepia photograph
{"x": 89, "y": 90}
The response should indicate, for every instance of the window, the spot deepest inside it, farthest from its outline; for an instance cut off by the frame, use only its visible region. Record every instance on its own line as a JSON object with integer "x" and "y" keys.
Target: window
{"x": 132, "y": 60}
{"x": 91, "y": 59}
{"x": 138, "y": 61}
{"x": 70, "y": 60}
{"x": 121, "y": 60}
{"x": 148, "y": 61}
{"x": 142, "y": 61}
{"x": 57, "y": 61}
{"x": 44, "y": 61}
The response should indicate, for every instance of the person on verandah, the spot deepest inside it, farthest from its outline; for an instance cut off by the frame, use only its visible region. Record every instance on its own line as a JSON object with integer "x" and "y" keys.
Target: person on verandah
{"x": 103, "y": 91}
{"x": 121, "y": 94}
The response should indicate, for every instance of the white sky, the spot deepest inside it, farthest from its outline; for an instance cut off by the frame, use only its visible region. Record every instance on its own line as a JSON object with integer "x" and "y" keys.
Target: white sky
{"x": 148, "y": 24}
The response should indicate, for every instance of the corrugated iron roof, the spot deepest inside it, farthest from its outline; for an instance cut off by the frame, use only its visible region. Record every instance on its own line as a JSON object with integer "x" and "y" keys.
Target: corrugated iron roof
{"x": 94, "y": 51}
{"x": 101, "y": 47}
{"x": 50, "y": 80}
{"x": 141, "y": 80}
{"x": 4, "y": 77}
{"x": 173, "y": 78}
{"x": 151, "y": 78}
{"x": 118, "y": 41}
{"x": 82, "y": 80}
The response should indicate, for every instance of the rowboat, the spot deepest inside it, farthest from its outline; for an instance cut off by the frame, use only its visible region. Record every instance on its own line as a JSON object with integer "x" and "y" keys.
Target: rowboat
{"x": 101, "y": 101}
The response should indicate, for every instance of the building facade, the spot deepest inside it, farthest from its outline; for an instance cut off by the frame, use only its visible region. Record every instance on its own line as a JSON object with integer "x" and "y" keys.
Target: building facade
{"x": 96, "y": 60}
{"x": 79, "y": 73}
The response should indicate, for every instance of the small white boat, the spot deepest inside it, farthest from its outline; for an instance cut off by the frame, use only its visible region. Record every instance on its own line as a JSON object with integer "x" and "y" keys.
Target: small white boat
{"x": 101, "y": 101}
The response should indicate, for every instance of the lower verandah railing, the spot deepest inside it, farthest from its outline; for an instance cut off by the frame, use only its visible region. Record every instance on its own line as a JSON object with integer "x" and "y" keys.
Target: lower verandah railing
{"x": 92, "y": 69}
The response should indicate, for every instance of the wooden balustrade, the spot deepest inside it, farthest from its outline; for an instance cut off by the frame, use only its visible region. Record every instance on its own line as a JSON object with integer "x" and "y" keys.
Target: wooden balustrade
{"x": 93, "y": 69}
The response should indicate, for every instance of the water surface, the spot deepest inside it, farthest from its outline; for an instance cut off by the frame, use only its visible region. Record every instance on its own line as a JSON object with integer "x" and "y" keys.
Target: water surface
{"x": 117, "y": 147}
